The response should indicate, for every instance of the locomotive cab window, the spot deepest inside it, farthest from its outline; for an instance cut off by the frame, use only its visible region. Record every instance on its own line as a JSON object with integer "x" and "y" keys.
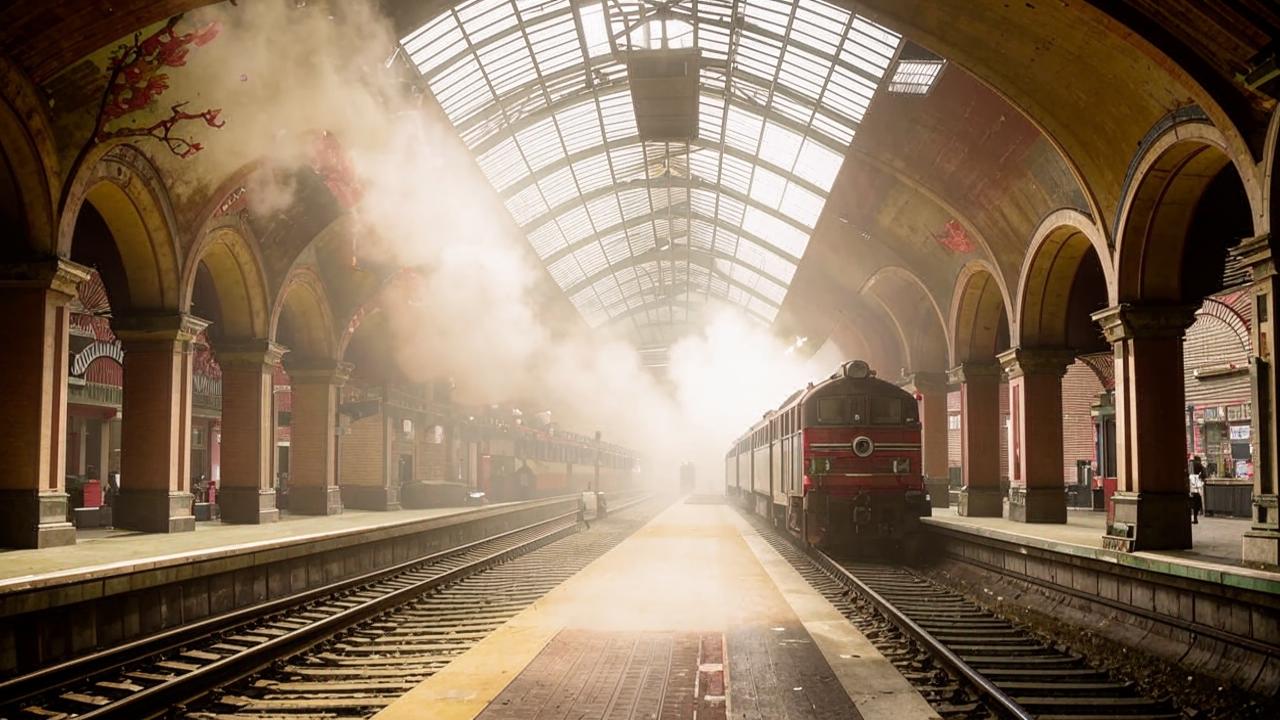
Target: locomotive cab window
{"x": 886, "y": 410}
{"x": 833, "y": 410}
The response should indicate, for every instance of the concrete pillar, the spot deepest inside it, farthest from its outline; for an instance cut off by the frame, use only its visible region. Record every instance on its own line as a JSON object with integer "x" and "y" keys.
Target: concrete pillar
{"x": 1261, "y": 543}
{"x": 33, "y": 402}
{"x": 1152, "y": 510}
{"x": 155, "y": 465}
{"x": 313, "y": 489}
{"x": 247, "y": 493}
{"x": 931, "y": 388}
{"x": 1036, "y": 493}
{"x": 979, "y": 438}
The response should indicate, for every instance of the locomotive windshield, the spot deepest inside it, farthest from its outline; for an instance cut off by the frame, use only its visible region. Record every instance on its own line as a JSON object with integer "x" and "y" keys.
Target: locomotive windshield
{"x": 853, "y": 410}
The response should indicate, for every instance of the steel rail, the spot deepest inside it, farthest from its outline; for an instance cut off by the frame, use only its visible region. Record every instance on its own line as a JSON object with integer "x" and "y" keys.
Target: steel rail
{"x": 49, "y": 680}
{"x": 46, "y": 679}
{"x": 157, "y": 700}
{"x": 1003, "y": 704}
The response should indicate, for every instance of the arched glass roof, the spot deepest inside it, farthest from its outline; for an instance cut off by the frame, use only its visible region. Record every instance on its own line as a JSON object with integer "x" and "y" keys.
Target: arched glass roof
{"x": 651, "y": 232}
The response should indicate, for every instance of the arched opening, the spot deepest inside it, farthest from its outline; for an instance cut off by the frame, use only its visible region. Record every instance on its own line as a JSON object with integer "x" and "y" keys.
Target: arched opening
{"x": 1184, "y": 213}
{"x": 915, "y": 314}
{"x": 232, "y": 381}
{"x": 307, "y": 388}
{"x": 1057, "y": 405}
{"x": 980, "y": 332}
{"x": 117, "y": 222}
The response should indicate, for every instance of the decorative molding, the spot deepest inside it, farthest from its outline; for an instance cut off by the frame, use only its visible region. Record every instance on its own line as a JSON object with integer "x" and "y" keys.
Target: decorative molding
{"x": 1127, "y": 321}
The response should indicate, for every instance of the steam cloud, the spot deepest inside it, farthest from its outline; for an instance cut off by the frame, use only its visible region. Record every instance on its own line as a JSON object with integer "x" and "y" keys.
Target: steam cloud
{"x": 280, "y": 73}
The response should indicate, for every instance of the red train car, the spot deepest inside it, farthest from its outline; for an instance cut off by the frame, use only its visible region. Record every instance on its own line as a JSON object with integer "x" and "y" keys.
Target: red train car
{"x": 837, "y": 464}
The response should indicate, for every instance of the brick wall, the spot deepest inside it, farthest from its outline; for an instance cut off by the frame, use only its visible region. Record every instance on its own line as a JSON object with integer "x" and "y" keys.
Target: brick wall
{"x": 1080, "y": 388}
{"x": 953, "y": 433}
{"x": 362, "y": 453}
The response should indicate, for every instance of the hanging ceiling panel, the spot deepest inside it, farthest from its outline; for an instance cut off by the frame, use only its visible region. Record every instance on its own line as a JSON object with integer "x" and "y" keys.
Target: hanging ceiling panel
{"x": 648, "y": 232}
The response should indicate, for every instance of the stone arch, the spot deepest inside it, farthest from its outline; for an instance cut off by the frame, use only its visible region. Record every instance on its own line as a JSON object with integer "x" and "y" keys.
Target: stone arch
{"x": 1221, "y": 312}
{"x": 1066, "y": 244}
{"x": 979, "y": 319}
{"x": 915, "y": 314}
{"x": 127, "y": 191}
{"x": 1271, "y": 174}
{"x": 29, "y": 177}
{"x": 1170, "y": 178}
{"x": 303, "y": 307}
{"x": 235, "y": 268}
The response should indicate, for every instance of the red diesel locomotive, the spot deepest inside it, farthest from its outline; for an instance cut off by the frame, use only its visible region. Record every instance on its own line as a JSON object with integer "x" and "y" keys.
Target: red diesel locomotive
{"x": 838, "y": 464}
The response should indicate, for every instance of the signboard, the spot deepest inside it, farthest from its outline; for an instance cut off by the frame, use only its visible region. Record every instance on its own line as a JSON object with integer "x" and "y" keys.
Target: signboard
{"x": 1240, "y": 432}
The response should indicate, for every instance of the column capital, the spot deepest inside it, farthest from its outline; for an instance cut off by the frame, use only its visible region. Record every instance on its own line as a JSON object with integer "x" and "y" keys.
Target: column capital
{"x": 157, "y": 327}
{"x": 1255, "y": 254}
{"x": 55, "y": 274}
{"x": 1126, "y": 321}
{"x": 1021, "y": 361}
{"x": 968, "y": 371}
{"x": 250, "y": 353}
{"x": 927, "y": 382}
{"x": 314, "y": 371}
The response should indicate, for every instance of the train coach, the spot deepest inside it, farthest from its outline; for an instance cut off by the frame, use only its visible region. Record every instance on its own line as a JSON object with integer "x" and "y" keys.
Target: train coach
{"x": 837, "y": 464}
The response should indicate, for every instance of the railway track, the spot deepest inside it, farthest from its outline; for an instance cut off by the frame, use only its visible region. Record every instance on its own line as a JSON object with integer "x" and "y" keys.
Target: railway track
{"x": 968, "y": 661}
{"x": 448, "y": 597}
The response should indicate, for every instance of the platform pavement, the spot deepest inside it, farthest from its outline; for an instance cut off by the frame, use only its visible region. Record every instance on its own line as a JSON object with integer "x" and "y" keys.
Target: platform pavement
{"x": 693, "y": 569}
{"x": 104, "y": 549}
{"x": 1215, "y": 540}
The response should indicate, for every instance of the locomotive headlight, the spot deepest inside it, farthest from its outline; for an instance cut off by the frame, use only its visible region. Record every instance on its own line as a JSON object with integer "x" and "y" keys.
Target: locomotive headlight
{"x": 857, "y": 369}
{"x": 862, "y": 446}
{"x": 901, "y": 466}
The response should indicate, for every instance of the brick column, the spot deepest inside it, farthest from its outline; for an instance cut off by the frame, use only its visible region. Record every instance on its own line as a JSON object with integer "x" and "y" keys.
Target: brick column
{"x": 1261, "y": 544}
{"x": 980, "y": 438}
{"x": 313, "y": 488}
{"x": 247, "y": 491}
{"x": 155, "y": 442}
{"x": 33, "y": 402}
{"x": 1036, "y": 492}
{"x": 931, "y": 388}
{"x": 1151, "y": 499}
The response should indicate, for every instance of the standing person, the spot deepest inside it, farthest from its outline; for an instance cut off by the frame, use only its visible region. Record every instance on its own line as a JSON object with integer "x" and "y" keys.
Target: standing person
{"x": 1197, "y": 489}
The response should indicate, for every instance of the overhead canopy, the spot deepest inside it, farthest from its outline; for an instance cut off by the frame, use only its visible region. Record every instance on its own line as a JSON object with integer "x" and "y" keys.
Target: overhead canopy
{"x": 649, "y": 231}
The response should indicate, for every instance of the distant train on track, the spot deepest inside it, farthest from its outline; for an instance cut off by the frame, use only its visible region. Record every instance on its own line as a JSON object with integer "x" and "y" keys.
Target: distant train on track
{"x": 837, "y": 464}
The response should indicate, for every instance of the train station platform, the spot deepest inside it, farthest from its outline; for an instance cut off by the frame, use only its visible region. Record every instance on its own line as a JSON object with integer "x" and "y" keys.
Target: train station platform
{"x": 103, "y": 552}
{"x": 1216, "y": 545}
{"x": 694, "y": 615}
{"x": 115, "y": 587}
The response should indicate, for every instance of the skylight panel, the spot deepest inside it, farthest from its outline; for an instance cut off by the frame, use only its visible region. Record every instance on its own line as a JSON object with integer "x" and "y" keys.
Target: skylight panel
{"x": 743, "y": 130}
{"x": 769, "y": 14}
{"x": 604, "y": 211}
{"x": 777, "y": 232}
{"x": 580, "y": 127}
{"x": 591, "y": 258}
{"x": 779, "y": 146}
{"x": 915, "y": 77}
{"x": 503, "y": 165}
{"x": 540, "y": 144}
{"x": 547, "y": 240}
{"x": 593, "y": 29}
{"x": 558, "y": 187}
{"x": 767, "y": 187}
{"x": 616, "y": 248}
{"x": 565, "y": 272}
{"x": 820, "y": 25}
{"x": 592, "y": 173}
{"x": 526, "y": 205}
{"x": 777, "y": 108}
{"x": 575, "y": 224}
{"x": 802, "y": 205}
